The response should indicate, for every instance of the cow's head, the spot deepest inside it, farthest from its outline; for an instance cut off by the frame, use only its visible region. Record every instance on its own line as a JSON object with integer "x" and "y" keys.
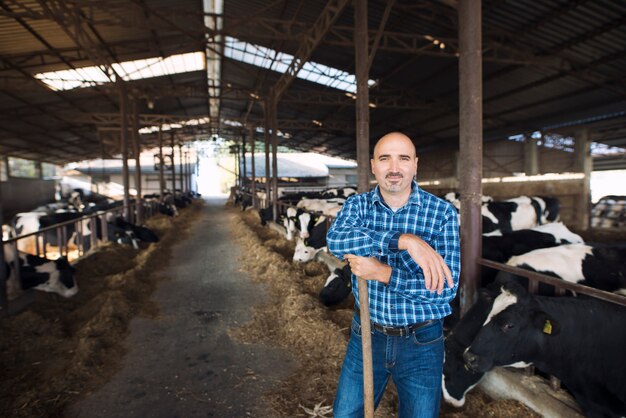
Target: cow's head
{"x": 458, "y": 377}
{"x": 514, "y": 330}
{"x": 304, "y": 253}
{"x": 304, "y": 221}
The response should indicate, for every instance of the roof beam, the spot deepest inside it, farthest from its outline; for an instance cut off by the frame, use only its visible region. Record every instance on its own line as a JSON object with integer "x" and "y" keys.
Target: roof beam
{"x": 321, "y": 26}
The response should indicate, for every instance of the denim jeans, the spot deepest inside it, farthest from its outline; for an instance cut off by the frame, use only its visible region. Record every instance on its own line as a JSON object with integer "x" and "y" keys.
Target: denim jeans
{"x": 414, "y": 362}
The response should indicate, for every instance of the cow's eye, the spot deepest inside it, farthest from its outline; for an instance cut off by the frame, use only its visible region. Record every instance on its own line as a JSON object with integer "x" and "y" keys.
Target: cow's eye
{"x": 507, "y": 327}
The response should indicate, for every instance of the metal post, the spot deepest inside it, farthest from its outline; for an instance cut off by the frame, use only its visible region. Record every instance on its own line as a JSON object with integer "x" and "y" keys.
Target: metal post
{"x": 471, "y": 148}
{"x": 584, "y": 164}
{"x": 531, "y": 157}
{"x": 138, "y": 201}
{"x": 243, "y": 174}
{"x": 267, "y": 152}
{"x": 274, "y": 125}
{"x": 4, "y": 305}
{"x": 161, "y": 174}
{"x": 182, "y": 173}
{"x": 362, "y": 150}
{"x": 173, "y": 165}
{"x": 124, "y": 146}
{"x": 252, "y": 167}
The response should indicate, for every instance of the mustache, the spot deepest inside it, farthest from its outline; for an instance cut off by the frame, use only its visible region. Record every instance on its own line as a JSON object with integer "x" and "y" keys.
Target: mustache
{"x": 394, "y": 174}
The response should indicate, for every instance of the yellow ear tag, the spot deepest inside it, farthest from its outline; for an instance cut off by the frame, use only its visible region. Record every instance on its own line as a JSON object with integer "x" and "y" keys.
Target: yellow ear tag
{"x": 547, "y": 327}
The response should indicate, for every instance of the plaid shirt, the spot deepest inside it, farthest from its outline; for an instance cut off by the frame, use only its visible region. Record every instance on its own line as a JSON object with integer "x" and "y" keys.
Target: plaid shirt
{"x": 367, "y": 227}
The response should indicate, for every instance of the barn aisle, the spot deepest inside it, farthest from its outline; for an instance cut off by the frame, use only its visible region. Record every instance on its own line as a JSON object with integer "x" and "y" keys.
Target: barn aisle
{"x": 183, "y": 363}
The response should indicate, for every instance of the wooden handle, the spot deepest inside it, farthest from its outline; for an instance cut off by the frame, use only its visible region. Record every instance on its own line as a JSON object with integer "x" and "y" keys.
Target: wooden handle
{"x": 366, "y": 341}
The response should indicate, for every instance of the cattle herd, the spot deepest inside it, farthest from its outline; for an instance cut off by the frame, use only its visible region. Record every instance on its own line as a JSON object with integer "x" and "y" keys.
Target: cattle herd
{"x": 26, "y": 269}
{"x": 578, "y": 339}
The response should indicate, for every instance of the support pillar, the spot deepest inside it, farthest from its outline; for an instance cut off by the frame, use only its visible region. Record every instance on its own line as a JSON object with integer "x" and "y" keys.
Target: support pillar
{"x": 362, "y": 96}
{"x": 137, "y": 152}
{"x": 267, "y": 152}
{"x": 161, "y": 174}
{"x": 470, "y": 147}
{"x": 180, "y": 161}
{"x": 584, "y": 164}
{"x": 274, "y": 126}
{"x": 244, "y": 175}
{"x": 124, "y": 147}
{"x": 173, "y": 146}
{"x": 253, "y": 168}
{"x": 531, "y": 156}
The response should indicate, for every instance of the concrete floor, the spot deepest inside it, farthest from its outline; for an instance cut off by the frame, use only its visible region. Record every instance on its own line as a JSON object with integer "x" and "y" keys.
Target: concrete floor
{"x": 183, "y": 364}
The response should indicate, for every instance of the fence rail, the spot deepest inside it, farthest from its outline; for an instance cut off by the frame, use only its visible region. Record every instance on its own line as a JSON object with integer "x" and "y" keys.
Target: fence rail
{"x": 63, "y": 240}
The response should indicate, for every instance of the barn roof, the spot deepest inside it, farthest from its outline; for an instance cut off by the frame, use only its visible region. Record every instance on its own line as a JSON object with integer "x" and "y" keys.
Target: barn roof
{"x": 550, "y": 65}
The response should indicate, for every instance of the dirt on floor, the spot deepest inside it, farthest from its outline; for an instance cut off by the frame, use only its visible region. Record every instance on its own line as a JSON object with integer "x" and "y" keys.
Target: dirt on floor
{"x": 59, "y": 349}
{"x": 297, "y": 321}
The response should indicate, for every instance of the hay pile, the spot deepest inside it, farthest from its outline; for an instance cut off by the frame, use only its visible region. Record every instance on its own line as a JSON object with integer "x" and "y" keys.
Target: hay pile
{"x": 60, "y": 349}
{"x": 295, "y": 320}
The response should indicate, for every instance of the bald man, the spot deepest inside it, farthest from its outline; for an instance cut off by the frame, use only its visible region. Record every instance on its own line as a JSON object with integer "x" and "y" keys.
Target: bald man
{"x": 405, "y": 243}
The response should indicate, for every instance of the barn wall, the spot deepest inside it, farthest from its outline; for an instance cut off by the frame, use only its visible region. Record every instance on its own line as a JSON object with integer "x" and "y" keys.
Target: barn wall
{"x": 500, "y": 159}
{"x": 22, "y": 195}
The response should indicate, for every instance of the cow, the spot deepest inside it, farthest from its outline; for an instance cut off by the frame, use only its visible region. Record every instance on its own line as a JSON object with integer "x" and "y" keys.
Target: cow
{"x": 140, "y": 232}
{"x": 166, "y": 205}
{"x": 54, "y": 276}
{"x": 307, "y": 249}
{"x": 599, "y": 266}
{"x": 290, "y": 221}
{"x": 337, "y": 287}
{"x": 501, "y": 248}
{"x": 458, "y": 379}
{"x": 338, "y": 192}
{"x": 509, "y": 215}
{"x": 28, "y": 222}
{"x": 329, "y": 207}
{"x": 580, "y": 340}
{"x": 549, "y": 208}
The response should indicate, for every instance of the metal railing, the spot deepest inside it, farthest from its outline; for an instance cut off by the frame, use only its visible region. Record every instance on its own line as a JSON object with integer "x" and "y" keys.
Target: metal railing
{"x": 72, "y": 249}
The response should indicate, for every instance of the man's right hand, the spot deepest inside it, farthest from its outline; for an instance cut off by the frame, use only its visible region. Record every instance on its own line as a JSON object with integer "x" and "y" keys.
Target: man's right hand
{"x": 435, "y": 269}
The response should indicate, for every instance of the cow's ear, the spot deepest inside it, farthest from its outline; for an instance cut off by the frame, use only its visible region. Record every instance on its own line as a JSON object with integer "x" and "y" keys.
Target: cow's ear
{"x": 546, "y": 324}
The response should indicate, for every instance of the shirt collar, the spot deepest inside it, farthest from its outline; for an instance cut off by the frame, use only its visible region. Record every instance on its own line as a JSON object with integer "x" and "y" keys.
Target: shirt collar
{"x": 414, "y": 198}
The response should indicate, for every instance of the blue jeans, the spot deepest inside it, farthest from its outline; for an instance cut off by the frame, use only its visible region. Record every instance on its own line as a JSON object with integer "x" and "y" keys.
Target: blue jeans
{"x": 414, "y": 362}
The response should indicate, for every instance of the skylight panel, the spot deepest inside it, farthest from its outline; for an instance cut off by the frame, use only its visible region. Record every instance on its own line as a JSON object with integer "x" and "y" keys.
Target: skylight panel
{"x": 279, "y": 61}
{"x": 128, "y": 70}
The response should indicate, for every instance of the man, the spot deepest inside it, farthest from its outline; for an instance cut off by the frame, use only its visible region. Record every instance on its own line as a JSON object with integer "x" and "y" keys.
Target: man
{"x": 405, "y": 243}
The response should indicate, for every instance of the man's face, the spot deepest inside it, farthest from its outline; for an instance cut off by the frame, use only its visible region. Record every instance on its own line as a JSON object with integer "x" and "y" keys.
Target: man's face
{"x": 394, "y": 164}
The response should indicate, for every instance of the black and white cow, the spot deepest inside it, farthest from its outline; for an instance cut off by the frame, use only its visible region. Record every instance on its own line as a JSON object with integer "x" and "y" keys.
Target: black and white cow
{"x": 337, "y": 287}
{"x": 28, "y": 222}
{"x": 54, "y": 276}
{"x": 140, "y": 232}
{"x": 458, "y": 378}
{"x": 329, "y": 207}
{"x": 343, "y": 192}
{"x": 579, "y": 340}
{"x": 501, "y": 248}
{"x": 509, "y": 215}
{"x": 599, "y": 266}
{"x": 306, "y": 250}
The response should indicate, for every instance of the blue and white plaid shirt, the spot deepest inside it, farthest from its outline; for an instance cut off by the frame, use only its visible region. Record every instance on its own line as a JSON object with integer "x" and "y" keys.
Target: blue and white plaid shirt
{"x": 367, "y": 227}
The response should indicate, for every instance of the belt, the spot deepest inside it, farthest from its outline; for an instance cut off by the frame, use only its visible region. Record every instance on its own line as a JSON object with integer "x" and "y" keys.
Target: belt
{"x": 396, "y": 331}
